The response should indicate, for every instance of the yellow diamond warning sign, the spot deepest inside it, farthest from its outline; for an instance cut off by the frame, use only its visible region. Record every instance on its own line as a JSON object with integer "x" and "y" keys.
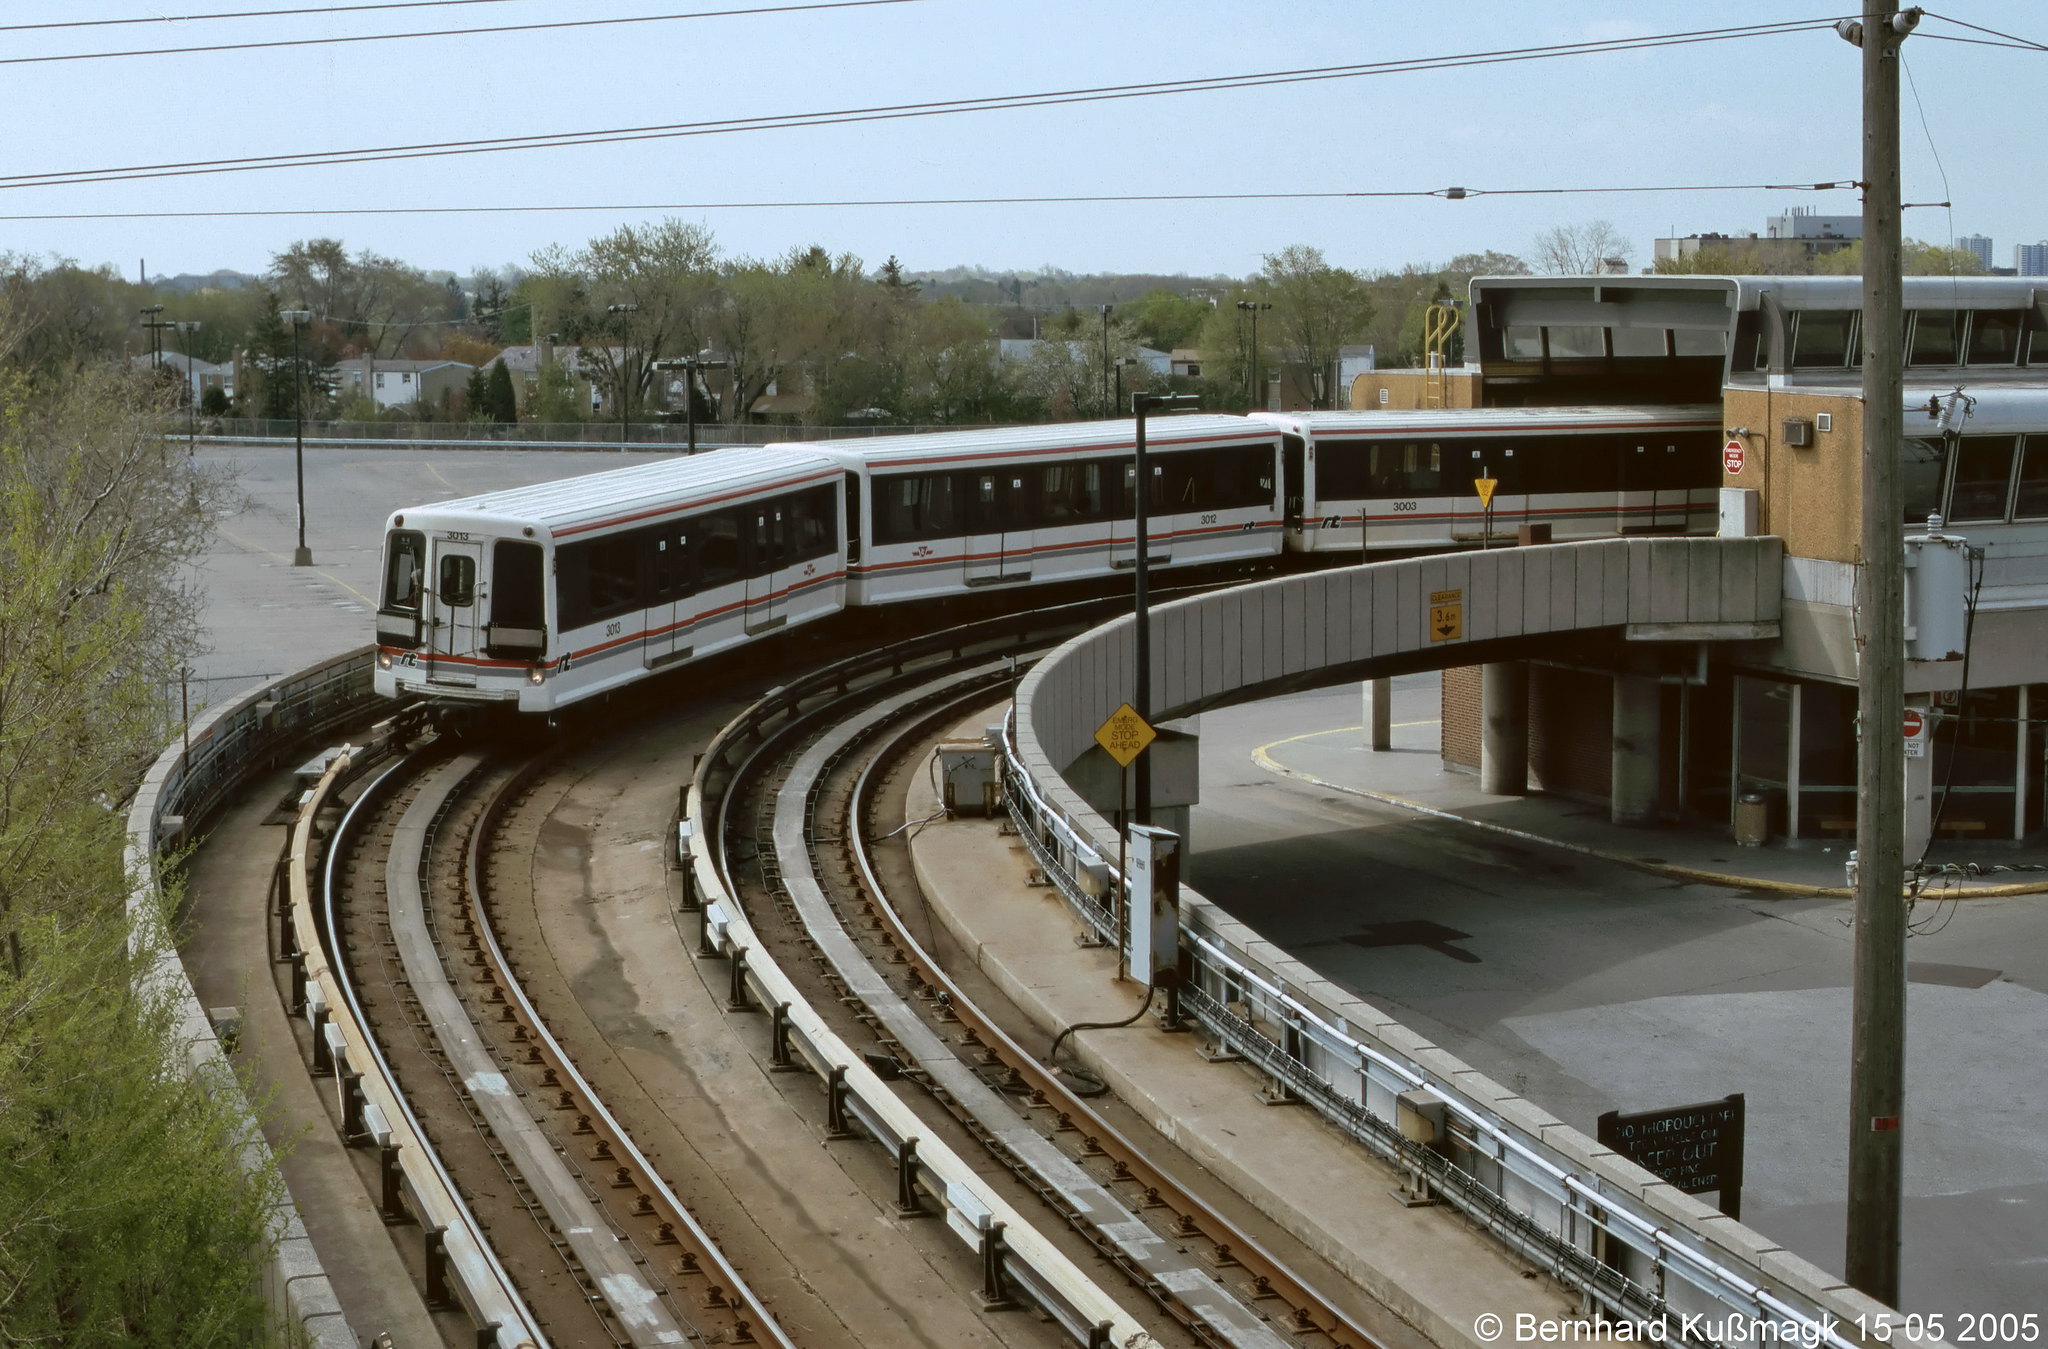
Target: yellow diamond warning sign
{"x": 1125, "y": 735}
{"x": 1485, "y": 486}
{"x": 1447, "y": 613}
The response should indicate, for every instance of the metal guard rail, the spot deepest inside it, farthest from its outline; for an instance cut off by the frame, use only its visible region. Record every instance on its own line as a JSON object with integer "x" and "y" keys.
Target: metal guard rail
{"x": 1646, "y": 1248}
{"x": 1015, "y": 1255}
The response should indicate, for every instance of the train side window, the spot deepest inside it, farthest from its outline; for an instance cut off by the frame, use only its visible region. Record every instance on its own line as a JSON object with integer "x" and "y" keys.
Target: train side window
{"x": 516, "y": 571}
{"x": 1994, "y": 337}
{"x": 1921, "y": 464}
{"x": 612, "y": 576}
{"x": 718, "y": 549}
{"x": 811, "y": 523}
{"x": 1091, "y": 492}
{"x": 913, "y": 506}
{"x": 405, "y": 559}
{"x": 1936, "y": 334}
{"x": 1821, "y": 339}
{"x": 458, "y": 580}
{"x": 1056, "y": 484}
{"x": 1983, "y": 482}
{"x": 2030, "y": 501}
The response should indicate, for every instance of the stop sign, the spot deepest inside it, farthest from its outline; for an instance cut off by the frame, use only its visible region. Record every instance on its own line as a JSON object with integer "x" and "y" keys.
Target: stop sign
{"x": 1733, "y": 455}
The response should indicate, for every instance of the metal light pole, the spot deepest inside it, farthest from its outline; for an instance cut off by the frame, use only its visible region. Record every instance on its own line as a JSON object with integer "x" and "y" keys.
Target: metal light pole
{"x": 1141, "y": 594}
{"x": 152, "y": 319}
{"x": 185, "y": 331}
{"x": 1253, "y": 307}
{"x": 690, "y": 365}
{"x": 1106, "y": 311}
{"x": 299, "y": 318}
{"x": 1877, "y": 1077}
{"x": 1118, "y": 368}
{"x": 625, "y": 360}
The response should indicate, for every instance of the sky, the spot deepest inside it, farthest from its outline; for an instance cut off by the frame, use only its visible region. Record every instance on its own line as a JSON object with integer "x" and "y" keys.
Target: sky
{"x": 1778, "y": 109}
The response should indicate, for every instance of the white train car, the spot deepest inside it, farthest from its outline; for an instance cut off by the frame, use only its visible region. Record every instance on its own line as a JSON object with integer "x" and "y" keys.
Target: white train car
{"x": 1365, "y": 481}
{"x": 545, "y": 595}
{"x": 942, "y": 513}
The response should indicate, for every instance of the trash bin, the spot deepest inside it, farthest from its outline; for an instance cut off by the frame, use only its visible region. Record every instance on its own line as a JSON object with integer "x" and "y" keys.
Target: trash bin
{"x": 1752, "y": 820}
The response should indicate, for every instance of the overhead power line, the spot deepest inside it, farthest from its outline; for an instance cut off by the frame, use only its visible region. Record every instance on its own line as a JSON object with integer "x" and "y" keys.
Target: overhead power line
{"x": 2008, "y": 39}
{"x": 1448, "y": 193}
{"x": 896, "y": 112}
{"x": 242, "y": 14}
{"x": 443, "y": 32}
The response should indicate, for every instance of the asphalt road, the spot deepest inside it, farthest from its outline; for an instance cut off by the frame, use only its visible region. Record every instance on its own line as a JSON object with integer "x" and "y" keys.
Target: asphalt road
{"x": 1589, "y": 986}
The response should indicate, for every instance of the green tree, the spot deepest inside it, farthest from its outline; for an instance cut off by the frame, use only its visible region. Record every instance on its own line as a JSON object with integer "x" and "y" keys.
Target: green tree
{"x": 476, "y": 393}
{"x": 1916, "y": 258}
{"x": 500, "y": 404}
{"x": 1165, "y": 321}
{"x": 1317, "y": 308}
{"x": 124, "y": 1217}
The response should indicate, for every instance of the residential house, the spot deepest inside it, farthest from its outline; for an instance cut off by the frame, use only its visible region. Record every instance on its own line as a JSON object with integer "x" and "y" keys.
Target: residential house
{"x": 400, "y": 383}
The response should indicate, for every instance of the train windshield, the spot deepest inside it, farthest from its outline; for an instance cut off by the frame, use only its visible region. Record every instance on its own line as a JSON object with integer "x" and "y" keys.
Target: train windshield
{"x": 405, "y": 560}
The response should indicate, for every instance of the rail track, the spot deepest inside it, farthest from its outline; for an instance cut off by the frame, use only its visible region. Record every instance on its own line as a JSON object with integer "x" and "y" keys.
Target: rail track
{"x": 511, "y": 1125}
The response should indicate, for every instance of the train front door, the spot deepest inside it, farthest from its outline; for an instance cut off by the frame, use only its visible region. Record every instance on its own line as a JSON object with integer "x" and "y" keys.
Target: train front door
{"x": 457, "y": 639}
{"x": 998, "y": 543}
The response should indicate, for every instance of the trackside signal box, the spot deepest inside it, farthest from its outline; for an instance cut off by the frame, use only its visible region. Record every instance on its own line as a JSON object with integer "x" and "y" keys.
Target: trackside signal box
{"x": 1154, "y": 904}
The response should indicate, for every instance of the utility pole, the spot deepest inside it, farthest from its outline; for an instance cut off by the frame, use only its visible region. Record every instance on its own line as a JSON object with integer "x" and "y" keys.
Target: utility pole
{"x": 1141, "y": 583}
{"x": 1877, "y": 1076}
{"x": 299, "y": 318}
{"x": 1106, "y": 311}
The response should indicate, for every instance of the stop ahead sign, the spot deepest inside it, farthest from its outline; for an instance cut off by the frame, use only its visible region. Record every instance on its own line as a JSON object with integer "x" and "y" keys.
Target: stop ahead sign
{"x": 1733, "y": 456}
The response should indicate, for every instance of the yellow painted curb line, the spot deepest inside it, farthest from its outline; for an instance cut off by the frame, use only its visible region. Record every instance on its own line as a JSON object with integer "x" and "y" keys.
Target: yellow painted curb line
{"x": 1692, "y": 874}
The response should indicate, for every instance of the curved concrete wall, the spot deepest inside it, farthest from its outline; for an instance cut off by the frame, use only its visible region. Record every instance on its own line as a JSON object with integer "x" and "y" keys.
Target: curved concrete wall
{"x": 228, "y": 744}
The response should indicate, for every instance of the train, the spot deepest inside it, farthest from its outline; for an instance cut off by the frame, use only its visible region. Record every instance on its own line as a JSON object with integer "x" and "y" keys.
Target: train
{"x": 541, "y": 597}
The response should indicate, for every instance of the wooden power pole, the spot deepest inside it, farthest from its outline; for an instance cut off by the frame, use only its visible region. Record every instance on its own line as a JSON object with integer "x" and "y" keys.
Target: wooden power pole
{"x": 1877, "y": 1078}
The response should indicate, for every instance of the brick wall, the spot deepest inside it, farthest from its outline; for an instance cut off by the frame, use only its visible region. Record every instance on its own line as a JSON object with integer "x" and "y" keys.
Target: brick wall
{"x": 1463, "y": 720}
{"x": 1571, "y": 733}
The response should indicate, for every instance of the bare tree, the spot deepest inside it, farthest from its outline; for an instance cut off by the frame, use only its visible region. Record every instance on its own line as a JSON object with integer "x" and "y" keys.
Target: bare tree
{"x": 1588, "y": 248}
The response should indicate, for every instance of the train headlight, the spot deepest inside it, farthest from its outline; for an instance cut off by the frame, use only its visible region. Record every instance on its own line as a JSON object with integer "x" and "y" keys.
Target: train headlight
{"x": 383, "y": 660}
{"x": 536, "y": 674}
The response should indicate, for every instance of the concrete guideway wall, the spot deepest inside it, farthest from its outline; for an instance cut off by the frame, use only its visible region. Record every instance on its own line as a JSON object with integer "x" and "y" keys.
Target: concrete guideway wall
{"x": 1529, "y": 1177}
{"x": 228, "y": 744}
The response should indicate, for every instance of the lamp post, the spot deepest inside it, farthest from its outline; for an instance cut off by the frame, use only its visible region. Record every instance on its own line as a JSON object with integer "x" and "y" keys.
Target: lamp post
{"x": 299, "y": 318}
{"x": 1107, "y": 405}
{"x": 625, "y": 362}
{"x": 1118, "y": 367}
{"x": 185, "y": 331}
{"x": 152, "y": 319}
{"x": 1253, "y": 307}
{"x": 1141, "y": 597}
{"x": 690, "y": 365}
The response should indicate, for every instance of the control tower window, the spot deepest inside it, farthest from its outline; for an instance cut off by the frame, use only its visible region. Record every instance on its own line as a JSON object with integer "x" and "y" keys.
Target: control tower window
{"x": 1983, "y": 478}
{"x": 1921, "y": 467}
{"x": 1821, "y": 339}
{"x": 1936, "y": 338}
{"x": 1994, "y": 337}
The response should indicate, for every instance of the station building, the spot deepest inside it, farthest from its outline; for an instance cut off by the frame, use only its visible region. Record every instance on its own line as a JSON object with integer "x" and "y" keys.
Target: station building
{"x": 1763, "y": 732}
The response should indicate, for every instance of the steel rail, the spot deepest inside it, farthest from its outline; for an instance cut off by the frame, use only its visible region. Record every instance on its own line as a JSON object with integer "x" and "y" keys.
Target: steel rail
{"x": 1313, "y": 1309}
{"x": 486, "y": 1289}
{"x": 675, "y": 1215}
{"x": 1014, "y": 1254}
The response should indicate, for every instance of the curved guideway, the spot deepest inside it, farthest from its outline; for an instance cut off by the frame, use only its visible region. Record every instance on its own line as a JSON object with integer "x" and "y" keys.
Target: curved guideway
{"x": 1096, "y": 1207}
{"x": 612, "y": 1264}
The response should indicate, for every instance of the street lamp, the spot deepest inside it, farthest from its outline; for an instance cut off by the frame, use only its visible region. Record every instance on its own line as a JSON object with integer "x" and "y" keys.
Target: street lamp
{"x": 185, "y": 331}
{"x": 151, "y": 319}
{"x": 690, "y": 365}
{"x": 298, "y": 319}
{"x": 1141, "y": 597}
{"x": 1118, "y": 367}
{"x": 1253, "y": 307}
{"x": 1106, "y": 310}
{"x": 625, "y": 360}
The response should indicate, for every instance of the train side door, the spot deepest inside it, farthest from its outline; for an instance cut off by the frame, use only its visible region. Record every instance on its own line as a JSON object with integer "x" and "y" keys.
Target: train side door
{"x": 996, "y": 549}
{"x": 767, "y": 550}
{"x": 670, "y": 608}
{"x": 1123, "y": 536}
{"x": 457, "y": 627}
{"x": 1653, "y": 497}
{"x": 1464, "y": 466}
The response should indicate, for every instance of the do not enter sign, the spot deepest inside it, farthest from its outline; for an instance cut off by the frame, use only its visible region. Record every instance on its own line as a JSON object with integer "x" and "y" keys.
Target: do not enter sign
{"x": 1733, "y": 456}
{"x": 1914, "y": 723}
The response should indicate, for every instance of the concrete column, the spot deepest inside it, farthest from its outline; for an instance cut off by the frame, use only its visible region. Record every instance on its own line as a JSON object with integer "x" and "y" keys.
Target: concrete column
{"x": 1638, "y": 736}
{"x": 1379, "y": 713}
{"x": 1504, "y": 740}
